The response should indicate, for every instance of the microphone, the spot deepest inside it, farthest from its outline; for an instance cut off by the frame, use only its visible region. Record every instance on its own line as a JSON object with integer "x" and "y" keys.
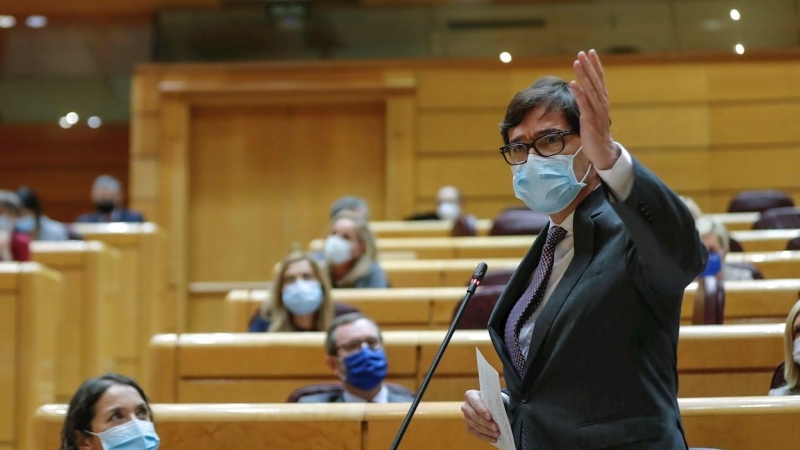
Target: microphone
{"x": 477, "y": 278}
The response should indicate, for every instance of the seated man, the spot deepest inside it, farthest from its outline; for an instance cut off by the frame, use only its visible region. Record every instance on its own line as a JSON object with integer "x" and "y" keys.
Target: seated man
{"x": 107, "y": 199}
{"x": 715, "y": 237}
{"x": 448, "y": 206}
{"x": 355, "y": 355}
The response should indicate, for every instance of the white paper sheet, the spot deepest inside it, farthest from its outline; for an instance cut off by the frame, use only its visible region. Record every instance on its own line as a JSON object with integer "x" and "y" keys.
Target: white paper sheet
{"x": 489, "y": 381}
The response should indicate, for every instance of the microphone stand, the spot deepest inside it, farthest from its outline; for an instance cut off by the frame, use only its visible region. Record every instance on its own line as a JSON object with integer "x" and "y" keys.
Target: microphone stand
{"x": 477, "y": 276}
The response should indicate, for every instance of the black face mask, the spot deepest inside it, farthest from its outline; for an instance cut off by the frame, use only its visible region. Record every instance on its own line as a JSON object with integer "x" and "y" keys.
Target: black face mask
{"x": 104, "y": 206}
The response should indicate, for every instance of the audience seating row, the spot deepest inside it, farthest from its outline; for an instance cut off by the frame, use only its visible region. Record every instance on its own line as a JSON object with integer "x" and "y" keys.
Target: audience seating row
{"x": 713, "y": 361}
{"x": 30, "y": 302}
{"x": 442, "y": 228}
{"x": 517, "y": 246}
{"x": 751, "y": 423}
{"x": 433, "y": 308}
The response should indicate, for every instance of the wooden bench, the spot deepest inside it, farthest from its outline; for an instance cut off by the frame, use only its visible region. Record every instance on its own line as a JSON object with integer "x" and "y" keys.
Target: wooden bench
{"x": 517, "y": 246}
{"x": 89, "y": 319}
{"x": 145, "y": 306}
{"x": 266, "y": 367}
{"x": 432, "y": 308}
{"x": 30, "y": 295}
{"x": 456, "y": 272}
{"x": 747, "y": 423}
{"x": 442, "y": 228}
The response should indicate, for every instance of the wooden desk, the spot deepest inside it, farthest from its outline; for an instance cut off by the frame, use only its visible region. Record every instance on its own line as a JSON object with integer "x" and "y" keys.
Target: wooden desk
{"x": 146, "y": 305}
{"x": 765, "y": 240}
{"x": 442, "y": 228}
{"x": 87, "y": 332}
{"x": 422, "y": 228}
{"x": 257, "y": 367}
{"x": 747, "y": 423}
{"x": 29, "y": 297}
{"x": 517, "y": 246}
{"x": 432, "y": 308}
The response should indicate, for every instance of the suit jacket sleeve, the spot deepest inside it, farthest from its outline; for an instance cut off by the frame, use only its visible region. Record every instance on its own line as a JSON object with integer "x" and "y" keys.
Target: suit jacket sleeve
{"x": 665, "y": 251}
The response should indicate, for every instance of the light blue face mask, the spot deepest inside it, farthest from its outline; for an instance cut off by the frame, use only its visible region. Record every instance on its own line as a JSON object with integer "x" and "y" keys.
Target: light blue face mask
{"x": 302, "y": 297}
{"x": 133, "y": 435}
{"x": 547, "y": 185}
{"x": 25, "y": 224}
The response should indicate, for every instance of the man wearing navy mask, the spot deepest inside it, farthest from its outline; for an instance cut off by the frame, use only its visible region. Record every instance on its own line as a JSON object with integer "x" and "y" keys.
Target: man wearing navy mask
{"x": 587, "y": 327}
{"x": 355, "y": 355}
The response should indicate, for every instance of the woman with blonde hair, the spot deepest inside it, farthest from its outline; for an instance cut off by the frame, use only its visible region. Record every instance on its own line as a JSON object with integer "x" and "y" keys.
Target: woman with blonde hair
{"x": 791, "y": 340}
{"x": 351, "y": 253}
{"x": 300, "y": 298}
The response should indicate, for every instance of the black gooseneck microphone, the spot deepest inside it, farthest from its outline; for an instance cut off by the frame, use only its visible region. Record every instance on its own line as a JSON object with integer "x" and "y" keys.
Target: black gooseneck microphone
{"x": 477, "y": 277}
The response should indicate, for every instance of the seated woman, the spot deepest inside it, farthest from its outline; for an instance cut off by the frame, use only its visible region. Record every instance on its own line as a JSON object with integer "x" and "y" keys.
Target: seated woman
{"x": 791, "y": 368}
{"x": 351, "y": 254}
{"x": 35, "y": 223}
{"x": 300, "y": 298}
{"x": 110, "y": 412}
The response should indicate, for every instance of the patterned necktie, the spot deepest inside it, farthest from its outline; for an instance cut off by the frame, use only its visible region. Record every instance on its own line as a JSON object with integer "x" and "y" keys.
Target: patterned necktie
{"x": 532, "y": 298}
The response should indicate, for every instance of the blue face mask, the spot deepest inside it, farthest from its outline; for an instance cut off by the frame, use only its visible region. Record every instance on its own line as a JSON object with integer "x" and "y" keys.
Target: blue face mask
{"x": 25, "y": 224}
{"x": 133, "y": 435}
{"x": 713, "y": 266}
{"x": 302, "y": 297}
{"x": 547, "y": 185}
{"x": 366, "y": 368}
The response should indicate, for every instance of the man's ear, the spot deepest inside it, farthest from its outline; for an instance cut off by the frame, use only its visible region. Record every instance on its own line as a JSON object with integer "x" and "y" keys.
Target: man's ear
{"x": 332, "y": 364}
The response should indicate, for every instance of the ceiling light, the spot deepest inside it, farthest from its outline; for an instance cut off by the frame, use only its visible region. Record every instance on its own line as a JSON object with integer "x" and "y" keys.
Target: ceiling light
{"x": 735, "y": 14}
{"x": 36, "y": 21}
{"x": 505, "y": 57}
{"x": 72, "y": 118}
{"x": 7, "y": 21}
{"x": 64, "y": 123}
{"x": 739, "y": 48}
{"x": 94, "y": 122}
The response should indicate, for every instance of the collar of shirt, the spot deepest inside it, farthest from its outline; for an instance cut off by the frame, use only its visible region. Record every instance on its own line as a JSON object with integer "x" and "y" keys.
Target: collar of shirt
{"x": 381, "y": 397}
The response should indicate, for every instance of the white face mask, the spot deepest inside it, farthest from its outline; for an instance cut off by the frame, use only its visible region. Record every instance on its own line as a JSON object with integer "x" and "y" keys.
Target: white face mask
{"x": 302, "y": 297}
{"x": 133, "y": 435}
{"x": 796, "y": 353}
{"x": 448, "y": 211}
{"x": 337, "y": 249}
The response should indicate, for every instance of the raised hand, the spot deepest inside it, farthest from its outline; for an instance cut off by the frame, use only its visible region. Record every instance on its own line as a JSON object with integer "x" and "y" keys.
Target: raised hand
{"x": 592, "y": 97}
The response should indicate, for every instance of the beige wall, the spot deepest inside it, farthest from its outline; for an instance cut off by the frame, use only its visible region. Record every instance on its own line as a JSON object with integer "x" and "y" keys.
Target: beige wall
{"x": 211, "y": 145}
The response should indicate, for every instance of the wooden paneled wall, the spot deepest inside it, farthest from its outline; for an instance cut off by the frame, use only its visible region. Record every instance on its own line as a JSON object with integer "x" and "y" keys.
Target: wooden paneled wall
{"x": 238, "y": 162}
{"x": 60, "y": 165}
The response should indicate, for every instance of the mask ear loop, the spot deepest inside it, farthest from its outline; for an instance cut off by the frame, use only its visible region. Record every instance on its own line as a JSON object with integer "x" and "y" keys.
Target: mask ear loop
{"x": 586, "y": 175}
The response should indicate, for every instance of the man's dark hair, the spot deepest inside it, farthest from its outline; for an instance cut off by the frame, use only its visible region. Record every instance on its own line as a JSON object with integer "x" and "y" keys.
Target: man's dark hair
{"x": 81, "y": 408}
{"x": 344, "y": 319}
{"x": 553, "y": 93}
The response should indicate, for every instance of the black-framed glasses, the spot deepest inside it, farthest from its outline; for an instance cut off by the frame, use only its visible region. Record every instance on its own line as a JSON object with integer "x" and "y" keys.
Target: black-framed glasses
{"x": 356, "y": 344}
{"x": 548, "y": 145}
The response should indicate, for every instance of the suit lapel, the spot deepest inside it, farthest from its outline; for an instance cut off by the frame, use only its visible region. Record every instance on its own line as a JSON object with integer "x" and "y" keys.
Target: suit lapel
{"x": 583, "y": 229}
{"x": 516, "y": 286}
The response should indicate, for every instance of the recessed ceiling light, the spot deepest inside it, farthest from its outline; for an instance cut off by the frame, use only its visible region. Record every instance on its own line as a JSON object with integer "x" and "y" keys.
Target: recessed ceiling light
{"x": 36, "y": 21}
{"x": 505, "y": 57}
{"x": 94, "y": 122}
{"x": 739, "y": 48}
{"x": 735, "y": 14}
{"x": 7, "y": 21}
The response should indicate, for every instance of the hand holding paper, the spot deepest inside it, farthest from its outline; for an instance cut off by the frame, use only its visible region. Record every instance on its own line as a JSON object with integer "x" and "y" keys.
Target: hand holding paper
{"x": 489, "y": 381}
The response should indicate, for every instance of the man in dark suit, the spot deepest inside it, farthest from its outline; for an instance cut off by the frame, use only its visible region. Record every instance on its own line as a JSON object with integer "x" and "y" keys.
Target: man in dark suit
{"x": 107, "y": 199}
{"x": 587, "y": 327}
{"x": 355, "y": 355}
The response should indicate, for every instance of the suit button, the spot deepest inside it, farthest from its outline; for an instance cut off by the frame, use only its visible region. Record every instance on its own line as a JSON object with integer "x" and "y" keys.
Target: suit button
{"x": 526, "y": 397}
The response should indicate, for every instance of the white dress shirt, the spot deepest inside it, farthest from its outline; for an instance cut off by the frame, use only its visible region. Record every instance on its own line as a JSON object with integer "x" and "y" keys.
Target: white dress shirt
{"x": 619, "y": 179}
{"x": 381, "y": 397}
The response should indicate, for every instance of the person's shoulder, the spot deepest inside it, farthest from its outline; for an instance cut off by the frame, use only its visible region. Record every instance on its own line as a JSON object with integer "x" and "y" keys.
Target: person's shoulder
{"x": 399, "y": 396}
{"x": 784, "y": 390}
{"x": 323, "y": 397}
{"x": 129, "y": 215}
{"x": 87, "y": 218}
